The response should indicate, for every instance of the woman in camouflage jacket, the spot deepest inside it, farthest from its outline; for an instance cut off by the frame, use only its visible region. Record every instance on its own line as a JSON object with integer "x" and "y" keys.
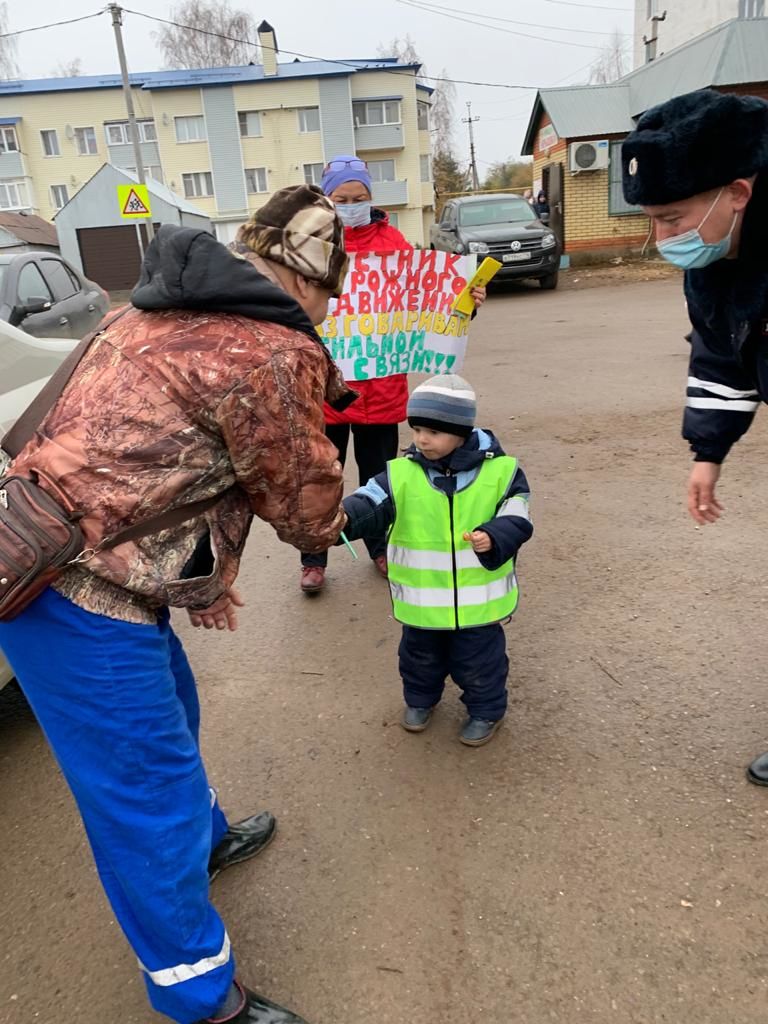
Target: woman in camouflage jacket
{"x": 211, "y": 383}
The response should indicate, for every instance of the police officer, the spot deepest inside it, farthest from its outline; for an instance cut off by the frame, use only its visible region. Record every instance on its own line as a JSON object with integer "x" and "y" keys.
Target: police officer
{"x": 698, "y": 166}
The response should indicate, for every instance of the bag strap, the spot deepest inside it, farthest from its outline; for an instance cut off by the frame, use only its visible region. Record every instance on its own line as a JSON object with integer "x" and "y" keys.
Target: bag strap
{"x": 24, "y": 428}
{"x": 162, "y": 521}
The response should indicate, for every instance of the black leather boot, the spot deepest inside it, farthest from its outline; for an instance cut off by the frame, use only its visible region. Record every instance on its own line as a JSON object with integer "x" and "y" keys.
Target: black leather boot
{"x": 242, "y": 841}
{"x": 258, "y": 1010}
{"x": 757, "y": 772}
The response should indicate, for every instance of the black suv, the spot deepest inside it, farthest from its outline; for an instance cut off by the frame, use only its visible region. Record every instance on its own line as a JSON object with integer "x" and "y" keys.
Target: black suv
{"x": 505, "y": 227}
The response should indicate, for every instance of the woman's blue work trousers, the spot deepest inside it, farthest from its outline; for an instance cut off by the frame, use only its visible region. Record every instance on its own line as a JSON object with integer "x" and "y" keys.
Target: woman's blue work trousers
{"x": 118, "y": 704}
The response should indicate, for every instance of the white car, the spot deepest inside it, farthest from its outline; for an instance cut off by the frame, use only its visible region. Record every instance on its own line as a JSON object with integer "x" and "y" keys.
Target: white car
{"x": 26, "y": 363}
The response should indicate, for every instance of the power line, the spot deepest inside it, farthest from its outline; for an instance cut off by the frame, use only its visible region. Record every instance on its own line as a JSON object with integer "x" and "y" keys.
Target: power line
{"x": 507, "y": 31}
{"x": 329, "y": 60}
{"x": 440, "y": 9}
{"x": 52, "y": 24}
{"x": 595, "y": 7}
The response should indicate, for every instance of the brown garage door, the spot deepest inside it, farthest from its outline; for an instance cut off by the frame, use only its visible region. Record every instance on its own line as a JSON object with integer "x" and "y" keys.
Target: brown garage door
{"x": 111, "y": 255}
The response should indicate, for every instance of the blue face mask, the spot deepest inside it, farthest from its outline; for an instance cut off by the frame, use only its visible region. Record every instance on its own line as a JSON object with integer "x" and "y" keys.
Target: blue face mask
{"x": 689, "y": 251}
{"x": 354, "y": 215}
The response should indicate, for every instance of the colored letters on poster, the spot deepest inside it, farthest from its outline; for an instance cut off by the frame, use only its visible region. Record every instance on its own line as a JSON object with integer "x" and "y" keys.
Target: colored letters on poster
{"x": 395, "y": 315}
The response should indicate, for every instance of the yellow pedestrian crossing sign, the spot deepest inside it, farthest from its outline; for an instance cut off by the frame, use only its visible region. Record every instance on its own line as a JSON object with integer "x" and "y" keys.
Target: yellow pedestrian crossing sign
{"x": 134, "y": 201}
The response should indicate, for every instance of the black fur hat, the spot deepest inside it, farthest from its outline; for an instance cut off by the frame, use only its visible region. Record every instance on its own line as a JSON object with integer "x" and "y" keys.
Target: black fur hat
{"x": 692, "y": 144}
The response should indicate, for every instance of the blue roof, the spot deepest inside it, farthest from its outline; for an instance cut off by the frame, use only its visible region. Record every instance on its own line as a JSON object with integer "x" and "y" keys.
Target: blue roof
{"x": 197, "y": 77}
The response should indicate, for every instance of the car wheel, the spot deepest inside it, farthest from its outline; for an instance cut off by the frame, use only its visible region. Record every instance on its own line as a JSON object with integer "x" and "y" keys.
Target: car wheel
{"x": 549, "y": 283}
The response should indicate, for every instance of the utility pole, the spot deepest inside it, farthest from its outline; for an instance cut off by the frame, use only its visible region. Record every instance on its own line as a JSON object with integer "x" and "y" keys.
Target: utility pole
{"x": 117, "y": 21}
{"x": 469, "y": 120}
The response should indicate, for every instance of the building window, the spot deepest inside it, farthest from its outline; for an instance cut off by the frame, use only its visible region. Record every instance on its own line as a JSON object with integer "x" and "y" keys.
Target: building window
{"x": 154, "y": 171}
{"x": 394, "y": 220}
{"x": 13, "y": 195}
{"x": 119, "y": 132}
{"x": 382, "y": 170}
{"x": 85, "y": 140}
{"x": 617, "y": 204}
{"x": 8, "y": 141}
{"x": 256, "y": 180}
{"x": 376, "y": 112}
{"x": 422, "y": 116}
{"x": 309, "y": 119}
{"x": 250, "y": 123}
{"x": 425, "y": 162}
{"x": 751, "y": 8}
{"x": 190, "y": 129}
{"x": 59, "y": 196}
{"x": 50, "y": 142}
{"x": 198, "y": 184}
{"x": 313, "y": 174}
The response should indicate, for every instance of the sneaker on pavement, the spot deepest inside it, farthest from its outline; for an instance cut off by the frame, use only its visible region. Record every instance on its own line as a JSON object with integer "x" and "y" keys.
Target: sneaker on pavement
{"x": 257, "y": 1009}
{"x": 416, "y": 719}
{"x": 381, "y": 566}
{"x": 312, "y": 579}
{"x": 242, "y": 841}
{"x": 477, "y": 731}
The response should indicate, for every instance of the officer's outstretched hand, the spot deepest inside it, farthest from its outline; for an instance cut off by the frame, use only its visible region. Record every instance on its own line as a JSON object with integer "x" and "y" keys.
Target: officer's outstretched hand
{"x": 702, "y": 503}
{"x": 221, "y": 615}
{"x": 480, "y": 541}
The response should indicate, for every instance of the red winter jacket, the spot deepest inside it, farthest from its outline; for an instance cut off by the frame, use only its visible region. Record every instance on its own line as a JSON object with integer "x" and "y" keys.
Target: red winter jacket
{"x": 382, "y": 400}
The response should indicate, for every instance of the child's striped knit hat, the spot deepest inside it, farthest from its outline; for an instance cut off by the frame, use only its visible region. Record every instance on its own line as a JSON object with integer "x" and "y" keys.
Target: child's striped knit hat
{"x": 444, "y": 403}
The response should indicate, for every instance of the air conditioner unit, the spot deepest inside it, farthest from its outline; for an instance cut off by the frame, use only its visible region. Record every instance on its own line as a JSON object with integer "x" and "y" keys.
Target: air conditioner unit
{"x": 589, "y": 156}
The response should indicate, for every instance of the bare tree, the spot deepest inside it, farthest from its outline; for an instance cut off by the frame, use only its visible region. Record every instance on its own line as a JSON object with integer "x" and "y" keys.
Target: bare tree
{"x": 612, "y": 62}
{"x": 222, "y": 37}
{"x": 68, "y": 69}
{"x": 405, "y": 51}
{"x": 9, "y": 67}
{"x": 442, "y": 116}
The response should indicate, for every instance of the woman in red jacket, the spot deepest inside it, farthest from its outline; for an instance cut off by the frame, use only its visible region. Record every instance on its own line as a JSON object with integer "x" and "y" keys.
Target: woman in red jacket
{"x": 372, "y": 419}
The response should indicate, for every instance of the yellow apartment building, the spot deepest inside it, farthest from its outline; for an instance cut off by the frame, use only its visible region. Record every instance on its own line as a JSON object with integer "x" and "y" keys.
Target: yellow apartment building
{"x": 224, "y": 139}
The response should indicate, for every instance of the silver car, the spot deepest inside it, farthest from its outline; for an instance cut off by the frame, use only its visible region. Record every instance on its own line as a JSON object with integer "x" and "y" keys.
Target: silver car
{"x": 44, "y": 295}
{"x": 26, "y": 363}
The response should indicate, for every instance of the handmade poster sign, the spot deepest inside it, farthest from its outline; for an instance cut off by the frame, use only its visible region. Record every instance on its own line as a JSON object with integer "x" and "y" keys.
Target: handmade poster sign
{"x": 396, "y": 315}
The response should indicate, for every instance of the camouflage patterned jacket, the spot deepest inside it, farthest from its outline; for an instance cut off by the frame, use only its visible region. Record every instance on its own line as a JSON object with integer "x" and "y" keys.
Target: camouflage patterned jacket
{"x": 219, "y": 379}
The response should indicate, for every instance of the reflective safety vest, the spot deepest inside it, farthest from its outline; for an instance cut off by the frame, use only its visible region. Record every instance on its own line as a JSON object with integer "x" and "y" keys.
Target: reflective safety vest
{"x": 436, "y": 579}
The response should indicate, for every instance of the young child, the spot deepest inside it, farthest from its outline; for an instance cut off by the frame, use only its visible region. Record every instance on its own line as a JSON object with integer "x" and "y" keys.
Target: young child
{"x": 456, "y": 508}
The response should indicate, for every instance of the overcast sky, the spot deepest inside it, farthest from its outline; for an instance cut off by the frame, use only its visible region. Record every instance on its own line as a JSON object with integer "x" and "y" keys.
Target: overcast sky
{"x": 342, "y": 28}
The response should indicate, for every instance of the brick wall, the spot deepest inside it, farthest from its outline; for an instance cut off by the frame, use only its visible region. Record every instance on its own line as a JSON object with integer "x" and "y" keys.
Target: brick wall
{"x": 589, "y": 225}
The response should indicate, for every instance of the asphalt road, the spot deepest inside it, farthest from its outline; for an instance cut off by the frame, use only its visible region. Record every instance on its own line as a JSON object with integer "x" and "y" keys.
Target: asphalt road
{"x": 599, "y": 861}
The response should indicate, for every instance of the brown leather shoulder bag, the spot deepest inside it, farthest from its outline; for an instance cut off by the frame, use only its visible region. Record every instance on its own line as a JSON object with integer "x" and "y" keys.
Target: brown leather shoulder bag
{"x": 39, "y": 526}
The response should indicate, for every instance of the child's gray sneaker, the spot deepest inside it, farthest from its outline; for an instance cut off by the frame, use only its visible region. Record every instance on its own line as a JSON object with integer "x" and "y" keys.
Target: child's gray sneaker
{"x": 416, "y": 719}
{"x": 477, "y": 731}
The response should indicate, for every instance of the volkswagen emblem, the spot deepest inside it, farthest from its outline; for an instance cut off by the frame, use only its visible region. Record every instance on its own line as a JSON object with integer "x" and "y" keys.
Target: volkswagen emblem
{"x": 516, "y": 246}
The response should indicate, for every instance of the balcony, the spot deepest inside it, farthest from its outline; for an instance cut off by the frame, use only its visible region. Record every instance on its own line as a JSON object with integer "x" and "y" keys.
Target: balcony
{"x": 390, "y": 193}
{"x": 378, "y": 136}
{"x": 11, "y": 165}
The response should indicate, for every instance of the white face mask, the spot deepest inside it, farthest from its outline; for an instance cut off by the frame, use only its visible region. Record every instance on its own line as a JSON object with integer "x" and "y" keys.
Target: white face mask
{"x": 354, "y": 215}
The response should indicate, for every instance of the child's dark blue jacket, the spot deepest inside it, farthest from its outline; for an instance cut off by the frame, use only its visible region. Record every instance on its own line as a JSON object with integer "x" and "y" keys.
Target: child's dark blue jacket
{"x": 371, "y": 510}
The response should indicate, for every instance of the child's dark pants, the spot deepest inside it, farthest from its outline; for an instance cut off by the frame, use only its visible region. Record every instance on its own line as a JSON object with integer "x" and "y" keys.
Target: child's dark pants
{"x": 476, "y": 659}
